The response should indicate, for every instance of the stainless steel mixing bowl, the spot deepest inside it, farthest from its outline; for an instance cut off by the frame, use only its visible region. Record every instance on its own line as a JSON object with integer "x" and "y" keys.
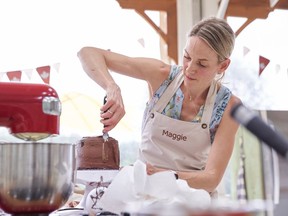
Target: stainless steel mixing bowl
{"x": 35, "y": 177}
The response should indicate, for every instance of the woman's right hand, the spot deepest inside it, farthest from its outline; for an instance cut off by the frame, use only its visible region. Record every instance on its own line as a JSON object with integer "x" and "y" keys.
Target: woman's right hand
{"x": 113, "y": 110}
{"x": 98, "y": 63}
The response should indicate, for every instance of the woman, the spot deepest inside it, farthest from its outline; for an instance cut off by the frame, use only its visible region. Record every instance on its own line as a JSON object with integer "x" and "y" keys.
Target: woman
{"x": 187, "y": 126}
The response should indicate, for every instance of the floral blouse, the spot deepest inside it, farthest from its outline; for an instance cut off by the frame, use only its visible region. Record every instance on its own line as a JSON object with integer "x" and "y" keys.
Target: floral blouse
{"x": 173, "y": 108}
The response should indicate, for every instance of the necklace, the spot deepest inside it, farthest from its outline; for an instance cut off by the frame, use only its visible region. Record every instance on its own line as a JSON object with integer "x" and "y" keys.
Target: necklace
{"x": 193, "y": 105}
{"x": 194, "y": 109}
{"x": 196, "y": 118}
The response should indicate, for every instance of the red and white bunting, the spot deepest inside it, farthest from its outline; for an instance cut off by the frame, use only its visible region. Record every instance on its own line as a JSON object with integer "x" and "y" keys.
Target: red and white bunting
{"x": 44, "y": 73}
{"x": 263, "y": 62}
{"x": 14, "y": 76}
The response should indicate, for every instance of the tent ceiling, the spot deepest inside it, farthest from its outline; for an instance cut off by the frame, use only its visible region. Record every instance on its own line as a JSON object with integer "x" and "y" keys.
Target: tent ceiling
{"x": 168, "y": 29}
{"x": 251, "y": 9}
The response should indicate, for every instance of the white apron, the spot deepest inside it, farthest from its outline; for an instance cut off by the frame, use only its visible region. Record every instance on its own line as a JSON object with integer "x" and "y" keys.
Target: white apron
{"x": 174, "y": 144}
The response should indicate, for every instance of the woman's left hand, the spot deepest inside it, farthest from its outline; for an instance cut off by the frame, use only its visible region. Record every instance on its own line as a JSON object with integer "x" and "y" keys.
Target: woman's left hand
{"x": 150, "y": 169}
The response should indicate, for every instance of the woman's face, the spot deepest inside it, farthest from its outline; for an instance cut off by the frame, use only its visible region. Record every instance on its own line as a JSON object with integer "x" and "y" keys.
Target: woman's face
{"x": 200, "y": 61}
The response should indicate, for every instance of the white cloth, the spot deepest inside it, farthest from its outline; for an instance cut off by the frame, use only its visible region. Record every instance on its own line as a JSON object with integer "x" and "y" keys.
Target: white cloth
{"x": 132, "y": 190}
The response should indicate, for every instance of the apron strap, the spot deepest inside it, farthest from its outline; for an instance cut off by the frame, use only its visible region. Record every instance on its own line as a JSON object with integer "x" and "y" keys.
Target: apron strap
{"x": 209, "y": 103}
{"x": 174, "y": 85}
{"x": 168, "y": 93}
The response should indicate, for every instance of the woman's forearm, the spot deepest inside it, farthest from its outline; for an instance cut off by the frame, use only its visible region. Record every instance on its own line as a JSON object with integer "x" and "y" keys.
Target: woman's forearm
{"x": 94, "y": 64}
{"x": 198, "y": 179}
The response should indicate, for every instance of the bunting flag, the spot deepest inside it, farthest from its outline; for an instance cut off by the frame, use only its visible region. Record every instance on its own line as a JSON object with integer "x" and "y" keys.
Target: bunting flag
{"x": 277, "y": 68}
{"x": 1, "y": 75}
{"x": 142, "y": 42}
{"x": 56, "y": 67}
{"x": 14, "y": 76}
{"x": 44, "y": 73}
{"x": 246, "y": 50}
{"x": 28, "y": 73}
{"x": 263, "y": 62}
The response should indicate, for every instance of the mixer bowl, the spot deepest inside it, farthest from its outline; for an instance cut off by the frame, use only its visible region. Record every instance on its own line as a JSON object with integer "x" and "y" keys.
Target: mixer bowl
{"x": 35, "y": 178}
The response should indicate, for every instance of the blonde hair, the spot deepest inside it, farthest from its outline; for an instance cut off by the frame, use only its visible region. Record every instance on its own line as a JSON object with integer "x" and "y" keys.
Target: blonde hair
{"x": 218, "y": 35}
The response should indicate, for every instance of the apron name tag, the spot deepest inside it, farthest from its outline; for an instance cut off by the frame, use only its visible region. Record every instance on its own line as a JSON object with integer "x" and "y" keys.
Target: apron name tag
{"x": 174, "y": 136}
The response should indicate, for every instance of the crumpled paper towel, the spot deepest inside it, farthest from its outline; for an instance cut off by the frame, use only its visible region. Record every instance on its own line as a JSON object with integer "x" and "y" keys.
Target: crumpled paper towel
{"x": 132, "y": 190}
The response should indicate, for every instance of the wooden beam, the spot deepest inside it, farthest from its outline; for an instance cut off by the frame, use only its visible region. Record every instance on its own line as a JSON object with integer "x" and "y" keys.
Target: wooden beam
{"x": 252, "y": 10}
{"x": 281, "y": 4}
{"x": 249, "y": 8}
{"x": 247, "y": 22}
{"x": 157, "y": 5}
{"x": 168, "y": 6}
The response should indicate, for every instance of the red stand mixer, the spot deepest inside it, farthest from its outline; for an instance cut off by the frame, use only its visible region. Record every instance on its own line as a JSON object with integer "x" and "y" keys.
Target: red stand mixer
{"x": 36, "y": 177}
{"x": 30, "y": 111}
